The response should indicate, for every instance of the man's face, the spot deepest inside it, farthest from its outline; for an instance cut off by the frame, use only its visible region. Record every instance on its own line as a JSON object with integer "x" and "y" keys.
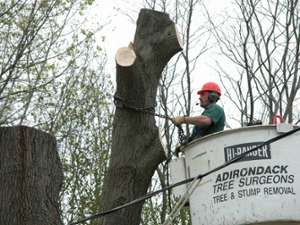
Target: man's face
{"x": 203, "y": 97}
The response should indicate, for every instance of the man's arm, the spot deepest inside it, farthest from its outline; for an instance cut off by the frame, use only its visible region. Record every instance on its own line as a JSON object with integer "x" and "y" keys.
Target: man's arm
{"x": 198, "y": 120}
{"x": 195, "y": 120}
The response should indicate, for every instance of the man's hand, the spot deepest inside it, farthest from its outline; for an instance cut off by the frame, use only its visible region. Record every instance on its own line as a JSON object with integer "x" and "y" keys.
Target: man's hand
{"x": 178, "y": 120}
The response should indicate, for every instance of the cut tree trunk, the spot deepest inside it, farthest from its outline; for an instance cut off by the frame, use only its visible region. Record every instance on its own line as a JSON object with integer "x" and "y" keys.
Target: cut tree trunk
{"x": 30, "y": 177}
{"x": 136, "y": 147}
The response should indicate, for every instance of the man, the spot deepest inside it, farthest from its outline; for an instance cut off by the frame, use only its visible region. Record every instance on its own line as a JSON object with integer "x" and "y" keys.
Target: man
{"x": 213, "y": 117}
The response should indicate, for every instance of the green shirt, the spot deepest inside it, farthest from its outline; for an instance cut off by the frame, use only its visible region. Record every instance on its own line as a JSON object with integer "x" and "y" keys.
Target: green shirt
{"x": 217, "y": 116}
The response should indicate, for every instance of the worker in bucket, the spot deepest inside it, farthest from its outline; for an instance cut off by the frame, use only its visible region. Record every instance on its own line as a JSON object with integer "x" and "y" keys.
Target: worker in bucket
{"x": 213, "y": 117}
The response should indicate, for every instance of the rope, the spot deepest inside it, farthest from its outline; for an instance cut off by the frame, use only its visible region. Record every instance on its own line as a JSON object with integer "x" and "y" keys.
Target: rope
{"x": 198, "y": 177}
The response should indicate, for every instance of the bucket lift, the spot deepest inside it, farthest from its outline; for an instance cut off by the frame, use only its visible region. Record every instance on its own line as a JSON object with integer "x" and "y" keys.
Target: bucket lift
{"x": 261, "y": 189}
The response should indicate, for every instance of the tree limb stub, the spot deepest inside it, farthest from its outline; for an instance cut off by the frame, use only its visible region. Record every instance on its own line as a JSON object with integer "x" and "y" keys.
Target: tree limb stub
{"x": 125, "y": 56}
{"x": 136, "y": 147}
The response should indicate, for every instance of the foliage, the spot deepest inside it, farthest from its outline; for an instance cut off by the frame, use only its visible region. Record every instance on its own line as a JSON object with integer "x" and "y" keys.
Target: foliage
{"x": 53, "y": 77}
{"x": 81, "y": 119}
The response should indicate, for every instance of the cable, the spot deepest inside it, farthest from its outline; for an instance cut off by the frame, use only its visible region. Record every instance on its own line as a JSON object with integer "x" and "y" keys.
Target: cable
{"x": 200, "y": 176}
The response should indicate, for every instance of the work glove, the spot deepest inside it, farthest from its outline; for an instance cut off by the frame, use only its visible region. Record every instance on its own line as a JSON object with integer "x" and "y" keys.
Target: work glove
{"x": 178, "y": 120}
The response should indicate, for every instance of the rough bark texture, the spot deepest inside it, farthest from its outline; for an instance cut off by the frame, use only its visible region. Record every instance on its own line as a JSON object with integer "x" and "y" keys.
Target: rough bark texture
{"x": 30, "y": 177}
{"x": 136, "y": 147}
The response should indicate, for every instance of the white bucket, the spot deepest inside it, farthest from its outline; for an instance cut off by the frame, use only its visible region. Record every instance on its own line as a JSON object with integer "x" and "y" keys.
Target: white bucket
{"x": 178, "y": 173}
{"x": 264, "y": 188}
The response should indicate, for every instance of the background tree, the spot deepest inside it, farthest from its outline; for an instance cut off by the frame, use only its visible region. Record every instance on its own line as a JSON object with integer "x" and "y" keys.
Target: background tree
{"x": 263, "y": 47}
{"x": 52, "y": 77}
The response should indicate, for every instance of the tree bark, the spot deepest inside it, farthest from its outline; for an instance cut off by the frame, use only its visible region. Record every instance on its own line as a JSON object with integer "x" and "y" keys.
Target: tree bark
{"x": 136, "y": 147}
{"x": 30, "y": 177}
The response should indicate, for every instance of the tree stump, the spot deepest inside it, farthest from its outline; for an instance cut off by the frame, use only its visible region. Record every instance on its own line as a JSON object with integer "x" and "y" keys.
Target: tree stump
{"x": 136, "y": 147}
{"x": 30, "y": 177}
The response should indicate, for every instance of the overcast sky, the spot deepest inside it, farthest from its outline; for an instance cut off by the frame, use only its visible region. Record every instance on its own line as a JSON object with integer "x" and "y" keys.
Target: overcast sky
{"x": 123, "y": 15}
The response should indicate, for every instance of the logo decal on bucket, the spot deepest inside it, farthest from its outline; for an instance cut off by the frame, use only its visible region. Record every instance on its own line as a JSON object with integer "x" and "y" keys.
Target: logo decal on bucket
{"x": 231, "y": 152}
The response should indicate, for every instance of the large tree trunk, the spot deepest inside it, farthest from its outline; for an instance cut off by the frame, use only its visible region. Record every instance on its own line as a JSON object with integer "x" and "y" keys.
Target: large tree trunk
{"x": 136, "y": 146}
{"x": 30, "y": 177}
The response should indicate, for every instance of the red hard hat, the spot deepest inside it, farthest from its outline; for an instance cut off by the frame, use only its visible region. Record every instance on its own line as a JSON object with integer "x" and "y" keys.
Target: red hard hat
{"x": 210, "y": 86}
